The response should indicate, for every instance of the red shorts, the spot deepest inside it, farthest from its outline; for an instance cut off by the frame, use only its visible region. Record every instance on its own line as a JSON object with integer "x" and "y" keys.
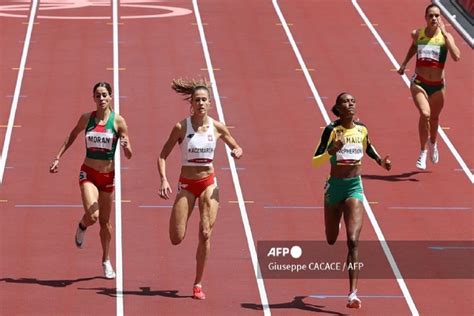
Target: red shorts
{"x": 196, "y": 186}
{"x": 104, "y": 181}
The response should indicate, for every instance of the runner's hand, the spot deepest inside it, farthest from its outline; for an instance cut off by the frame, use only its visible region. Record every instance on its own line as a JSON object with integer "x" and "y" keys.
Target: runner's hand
{"x": 237, "y": 153}
{"x": 54, "y": 166}
{"x": 165, "y": 190}
{"x": 123, "y": 141}
{"x": 441, "y": 26}
{"x": 338, "y": 143}
{"x": 386, "y": 163}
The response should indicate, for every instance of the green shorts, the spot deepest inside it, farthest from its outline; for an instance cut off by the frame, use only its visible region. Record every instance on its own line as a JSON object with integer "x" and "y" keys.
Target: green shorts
{"x": 338, "y": 190}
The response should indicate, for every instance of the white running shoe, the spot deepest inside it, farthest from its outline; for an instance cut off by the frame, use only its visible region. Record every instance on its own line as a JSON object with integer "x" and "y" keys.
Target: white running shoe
{"x": 109, "y": 272}
{"x": 353, "y": 301}
{"x": 434, "y": 154}
{"x": 80, "y": 236}
{"x": 421, "y": 161}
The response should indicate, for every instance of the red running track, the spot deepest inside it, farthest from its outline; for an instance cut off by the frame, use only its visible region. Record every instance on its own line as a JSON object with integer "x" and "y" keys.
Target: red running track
{"x": 277, "y": 123}
{"x": 41, "y": 272}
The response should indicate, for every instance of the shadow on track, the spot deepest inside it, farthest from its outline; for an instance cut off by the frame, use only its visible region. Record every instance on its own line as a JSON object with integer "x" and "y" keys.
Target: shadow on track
{"x": 407, "y": 176}
{"x": 144, "y": 291}
{"x": 52, "y": 283}
{"x": 297, "y": 303}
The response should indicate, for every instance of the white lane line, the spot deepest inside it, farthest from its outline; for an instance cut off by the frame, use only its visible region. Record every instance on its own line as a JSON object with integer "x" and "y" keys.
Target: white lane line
{"x": 324, "y": 296}
{"x": 370, "y": 213}
{"x": 431, "y": 208}
{"x": 235, "y": 176}
{"x": 16, "y": 94}
{"x": 407, "y": 82}
{"x": 49, "y": 206}
{"x": 450, "y": 248}
{"x": 292, "y": 207}
{"x": 118, "y": 175}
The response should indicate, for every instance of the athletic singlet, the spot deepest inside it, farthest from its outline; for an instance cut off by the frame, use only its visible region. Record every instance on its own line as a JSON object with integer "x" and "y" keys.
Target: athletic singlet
{"x": 197, "y": 149}
{"x": 101, "y": 140}
{"x": 431, "y": 51}
{"x": 356, "y": 142}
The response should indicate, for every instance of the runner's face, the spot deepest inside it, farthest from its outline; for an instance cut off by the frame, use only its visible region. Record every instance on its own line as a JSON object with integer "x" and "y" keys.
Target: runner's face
{"x": 200, "y": 102}
{"x": 347, "y": 106}
{"x": 102, "y": 98}
{"x": 433, "y": 16}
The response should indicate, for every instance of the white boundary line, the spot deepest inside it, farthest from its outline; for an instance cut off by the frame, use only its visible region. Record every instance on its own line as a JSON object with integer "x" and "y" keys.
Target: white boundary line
{"x": 407, "y": 82}
{"x": 235, "y": 176}
{"x": 118, "y": 174}
{"x": 370, "y": 214}
{"x": 465, "y": 34}
{"x": 16, "y": 95}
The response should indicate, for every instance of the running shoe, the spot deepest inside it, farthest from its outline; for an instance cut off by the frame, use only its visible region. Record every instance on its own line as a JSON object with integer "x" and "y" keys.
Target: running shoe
{"x": 353, "y": 301}
{"x": 421, "y": 162}
{"x": 108, "y": 270}
{"x": 198, "y": 294}
{"x": 80, "y": 236}
{"x": 434, "y": 154}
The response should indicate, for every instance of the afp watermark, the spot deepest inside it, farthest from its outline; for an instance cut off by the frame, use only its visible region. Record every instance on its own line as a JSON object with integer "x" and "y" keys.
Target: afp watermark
{"x": 415, "y": 259}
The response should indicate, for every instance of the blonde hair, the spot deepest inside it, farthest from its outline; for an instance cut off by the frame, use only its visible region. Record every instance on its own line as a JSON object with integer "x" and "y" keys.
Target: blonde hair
{"x": 187, "y": 87}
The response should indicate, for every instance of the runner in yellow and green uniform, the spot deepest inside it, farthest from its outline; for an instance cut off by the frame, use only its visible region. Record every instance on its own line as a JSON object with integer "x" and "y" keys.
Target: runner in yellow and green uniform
{"x": 343, "y": 143}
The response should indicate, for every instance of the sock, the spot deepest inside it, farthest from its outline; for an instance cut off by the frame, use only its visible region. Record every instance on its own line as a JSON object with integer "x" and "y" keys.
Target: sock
{"x": 82, "y": 227}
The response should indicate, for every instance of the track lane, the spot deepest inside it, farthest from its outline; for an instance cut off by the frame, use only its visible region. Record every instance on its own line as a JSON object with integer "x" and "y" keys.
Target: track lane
{"x": 268, "y": 97}
{"x": 367, "y": 75}
{"x": 12, "y": 32}
{"x": 43, "y": 271}
{"x": 158, "y": 276}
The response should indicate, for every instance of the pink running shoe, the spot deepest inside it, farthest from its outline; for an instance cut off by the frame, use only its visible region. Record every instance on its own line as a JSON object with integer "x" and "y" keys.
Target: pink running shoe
{"x": 354, "y": 301}
{"x": 198, "y": 294}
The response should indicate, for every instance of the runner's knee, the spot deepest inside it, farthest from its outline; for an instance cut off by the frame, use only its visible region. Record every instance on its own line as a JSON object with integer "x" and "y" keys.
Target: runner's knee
{"x": 205, "y": 233}
{"x": 352, "y": 242}
{"x": 425, "y": 115}
{"x": 105, "y": 223}
{"x": 176, "y": 238}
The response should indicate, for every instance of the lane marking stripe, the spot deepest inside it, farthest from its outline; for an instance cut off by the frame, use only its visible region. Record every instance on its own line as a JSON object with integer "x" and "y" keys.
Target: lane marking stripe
{"x": 118, "y": 174}
{"x": 48, "y": 205}
{"x": 292, "y": 207}
{"x": 323, "y": 296}
{"x": 16, "y": 94}
{"x": 235, "y": 177}
{"x": 430, "y": 208}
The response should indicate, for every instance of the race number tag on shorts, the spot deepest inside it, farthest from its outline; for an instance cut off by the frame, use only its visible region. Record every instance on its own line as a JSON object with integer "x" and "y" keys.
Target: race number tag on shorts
{"x": 100, "y": 140}
{"x": 82, "y": 175}
{"x": 429, "y": 52}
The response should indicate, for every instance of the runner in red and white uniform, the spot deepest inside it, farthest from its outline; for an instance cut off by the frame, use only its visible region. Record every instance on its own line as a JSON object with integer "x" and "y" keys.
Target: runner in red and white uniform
{"x": 197, "y": 136}
{"x": 103, "y": 128}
